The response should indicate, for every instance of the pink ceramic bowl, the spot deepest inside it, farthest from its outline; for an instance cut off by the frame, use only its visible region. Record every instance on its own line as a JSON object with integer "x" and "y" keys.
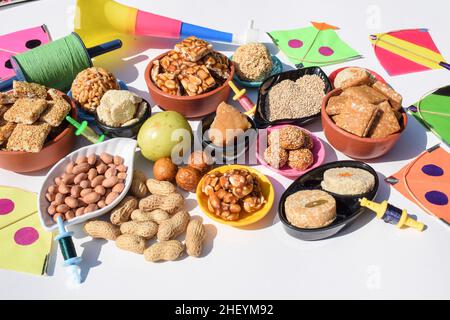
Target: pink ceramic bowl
{"x": 318, "y": 153}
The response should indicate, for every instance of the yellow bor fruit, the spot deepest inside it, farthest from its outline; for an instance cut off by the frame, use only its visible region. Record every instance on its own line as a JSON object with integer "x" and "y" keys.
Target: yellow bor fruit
{"x": 163, "y": 132}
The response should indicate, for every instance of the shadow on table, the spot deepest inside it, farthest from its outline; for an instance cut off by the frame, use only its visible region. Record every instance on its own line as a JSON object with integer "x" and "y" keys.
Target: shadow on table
{"x": 411, "y": 143}
{"x": 384, "y": 192}
{"x": 272, "y": 217}
{"x": 91, "y": 252}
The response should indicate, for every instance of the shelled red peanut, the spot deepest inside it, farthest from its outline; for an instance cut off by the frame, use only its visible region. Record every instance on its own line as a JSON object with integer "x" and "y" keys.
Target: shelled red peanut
{"x": 88, "y": 184}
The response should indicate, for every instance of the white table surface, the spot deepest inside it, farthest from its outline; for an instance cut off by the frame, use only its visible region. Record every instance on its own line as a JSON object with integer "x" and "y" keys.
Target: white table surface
{"x": 369, "y": 260}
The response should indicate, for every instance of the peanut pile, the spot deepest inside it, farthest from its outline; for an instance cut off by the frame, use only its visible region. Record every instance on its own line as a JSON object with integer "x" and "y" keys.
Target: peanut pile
{"x": 88, "y": 184}
{"x": 152, "y": 209}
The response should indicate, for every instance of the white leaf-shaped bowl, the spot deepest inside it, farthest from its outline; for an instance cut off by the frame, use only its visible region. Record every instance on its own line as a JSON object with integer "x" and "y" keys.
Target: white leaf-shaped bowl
{"x": 123, "y": 147}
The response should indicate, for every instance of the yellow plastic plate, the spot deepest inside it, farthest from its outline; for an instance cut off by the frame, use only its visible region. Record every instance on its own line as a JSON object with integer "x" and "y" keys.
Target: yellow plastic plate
{"x": 246, "y": 218}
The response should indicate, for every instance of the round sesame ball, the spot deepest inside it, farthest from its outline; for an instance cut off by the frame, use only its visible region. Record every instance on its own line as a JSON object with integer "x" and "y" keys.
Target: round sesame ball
{"x": 275, "y": 156}
{"x": 292, "y": 138}
{"x": 300, "y": 159}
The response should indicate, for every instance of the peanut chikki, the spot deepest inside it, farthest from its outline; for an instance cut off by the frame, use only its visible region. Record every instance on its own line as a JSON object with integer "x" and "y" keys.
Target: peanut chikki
{"x": 386, "y": 122}
{"x": 6, "y": 128}
{"x": 218, "y": 64}
{"x": 357, "y": 118}
{"x": 28, "y": 138}
{"x": 174, "y": 62}
{"x": 168, "y": 83}
{"x": 57, "y": 109}
{"x": 196, "y": 80}
{"x": 394, "y": 97}
{"x": 29, "y": 90}
{"x": 336, "y": 104}
{"x": 193, "y": 48}
{"x": 365, "y": 93}
{"x": 26, "y": 110}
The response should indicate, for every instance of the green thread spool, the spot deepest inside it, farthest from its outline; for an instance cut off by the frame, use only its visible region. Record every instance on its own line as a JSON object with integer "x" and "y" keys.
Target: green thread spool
{"x": 55, "y": 64}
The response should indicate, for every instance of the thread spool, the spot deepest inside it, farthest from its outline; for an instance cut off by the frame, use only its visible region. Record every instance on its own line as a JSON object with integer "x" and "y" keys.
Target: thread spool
{"x": 71, "y": 260}
{"x": 57, "y": 63}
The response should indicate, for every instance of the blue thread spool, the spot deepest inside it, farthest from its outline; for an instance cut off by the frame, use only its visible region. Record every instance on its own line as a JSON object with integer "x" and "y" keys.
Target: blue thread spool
{"x": 71, "y": 260}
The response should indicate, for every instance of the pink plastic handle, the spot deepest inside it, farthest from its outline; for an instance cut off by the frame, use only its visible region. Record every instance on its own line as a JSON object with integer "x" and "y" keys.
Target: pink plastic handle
{"x": 150, "y": 24}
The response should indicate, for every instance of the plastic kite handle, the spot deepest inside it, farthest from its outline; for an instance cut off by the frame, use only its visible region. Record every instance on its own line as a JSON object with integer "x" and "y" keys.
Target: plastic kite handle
{"x": 444, "y": 65}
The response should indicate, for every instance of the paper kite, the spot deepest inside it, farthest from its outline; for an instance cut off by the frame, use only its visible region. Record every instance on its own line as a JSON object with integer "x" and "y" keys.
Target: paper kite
{"x": 426, "y": 182}
{"x": 407, "y": 51}
{"x": 433, "y": 111}
{"x": 18, "y": 42}
{"x": 24, "y": 245}
{"x": 317, "y": 45}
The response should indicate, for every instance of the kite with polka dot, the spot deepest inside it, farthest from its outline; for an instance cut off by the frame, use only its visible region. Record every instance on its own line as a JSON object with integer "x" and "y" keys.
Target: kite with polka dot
{"x": 317, "y": 45}
{"x": 18, "y": 42}
{"x": 426, "y": 181}
{"x": 24, "y": 245}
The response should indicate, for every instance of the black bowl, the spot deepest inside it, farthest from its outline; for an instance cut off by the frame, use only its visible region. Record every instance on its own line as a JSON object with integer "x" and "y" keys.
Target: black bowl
{"x": 232, "y": 152}
{"x": 347, "y": 207}
{"x": 261, "y": 118}
{"x": 130, "y": 131}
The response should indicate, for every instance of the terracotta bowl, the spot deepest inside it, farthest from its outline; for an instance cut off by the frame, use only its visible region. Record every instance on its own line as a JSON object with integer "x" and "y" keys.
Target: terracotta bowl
{"x": 190, "y": 107}
{"x": 353, "y": 146}
{"x": 53, "y": 151}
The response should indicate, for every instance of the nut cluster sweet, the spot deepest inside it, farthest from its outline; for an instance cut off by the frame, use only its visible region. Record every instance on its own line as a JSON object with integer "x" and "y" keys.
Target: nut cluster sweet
{"x": 232, "y": 193}
{"x": 152, "y": 209}
{"x": 88, "y": 184}
{"x": 192, "y": 68}
{"x": 90, "y": 85}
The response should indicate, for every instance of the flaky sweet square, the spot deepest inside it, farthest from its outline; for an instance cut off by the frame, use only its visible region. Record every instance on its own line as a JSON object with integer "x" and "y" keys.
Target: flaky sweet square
{"x": 394, "y": 97}
{"x": 28, "y": 137}
{"x": 357, "y": 118}
{"x": 386, "y": 122}
{"x": 365, "y": 93}
{"x": 26, "y": 110}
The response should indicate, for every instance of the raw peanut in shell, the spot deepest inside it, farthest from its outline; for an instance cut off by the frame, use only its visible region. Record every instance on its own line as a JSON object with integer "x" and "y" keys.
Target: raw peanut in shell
{"x": 144, "y": 229}
{"x": 164, "y": 251}
{"x": 122, "y": 212}
{"x": 138, "y": 187}
{"x": 101, "y": 230}
{"x": 195, "y": 236}
{"x": 157, "y": 216}
{"x": 161, "y": 188}
{"x": 173, "y": 227}
{"x": 171, "y": 203}
{"x": 130, "y": 242}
